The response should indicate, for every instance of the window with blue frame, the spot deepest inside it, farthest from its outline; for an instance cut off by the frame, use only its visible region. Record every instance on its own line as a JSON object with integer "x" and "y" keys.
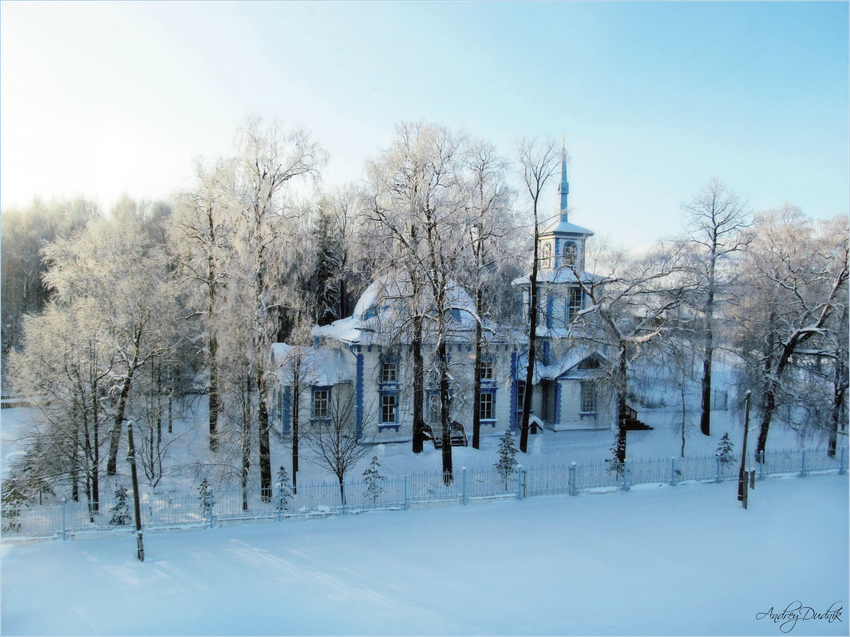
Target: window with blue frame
{"x": 389, "y": 393}
{"x": 520, "y": 398}
{"x": 486, "y": 370}
{"x": 389, "y": 408}
{"x": 588, "y": 397}
{"x": 321, "y": 403}
{"x": 487, "y": 406}
{"x": 575, "y": 303}
{"x": 569, "y": 257}
{"x": 389, "y": 372}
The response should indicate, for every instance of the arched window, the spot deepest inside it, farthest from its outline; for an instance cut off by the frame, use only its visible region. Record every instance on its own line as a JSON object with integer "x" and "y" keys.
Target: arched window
{"x": 546, "y": 255}
{"x": 570, "y": 254}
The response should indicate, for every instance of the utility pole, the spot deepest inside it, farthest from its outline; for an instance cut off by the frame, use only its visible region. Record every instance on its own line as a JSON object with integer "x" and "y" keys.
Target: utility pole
{"x": 131, "y": 458}
{"x": 742, "y": 475}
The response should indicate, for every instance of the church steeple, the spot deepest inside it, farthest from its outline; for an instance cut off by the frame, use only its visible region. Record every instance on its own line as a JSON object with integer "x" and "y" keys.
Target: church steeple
{"x": 564, "y": 186}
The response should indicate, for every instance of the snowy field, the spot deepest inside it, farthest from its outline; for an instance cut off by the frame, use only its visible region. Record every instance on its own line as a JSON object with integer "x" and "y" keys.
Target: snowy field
{"x": 684, "y": 560}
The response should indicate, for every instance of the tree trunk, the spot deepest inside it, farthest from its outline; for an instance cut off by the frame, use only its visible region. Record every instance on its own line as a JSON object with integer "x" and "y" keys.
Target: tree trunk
{"x": 622, "y": 394}
{"x": 445, "y": 416}
{"x": 532, "y": 338}
{"x": 95, "y": 451}
{"x": 265, "y": 444}
{"x": 213, "y": 395}
{"x": 418, "y": 387}
{"x": 476, "y": 383}
{"x": 705, "y": 415}
{"x": 246, "y": 440}
{"x": 296, "y": 400}
{"x": 838, "y": 398}
{"x": 115, "y": 435}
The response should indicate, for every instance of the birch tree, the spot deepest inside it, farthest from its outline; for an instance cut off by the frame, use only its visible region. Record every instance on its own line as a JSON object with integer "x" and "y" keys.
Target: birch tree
{"x": 795, "y": 280}
{"x": 537, "y": 164}
{"x": 716, "y": 221}
{"x": 631, "y": 303}
{"x": 123, "y": 279}
{"x": 201, "y": 232}
{"x": 417, "y": 199}
{"x": 269, "y": 165}
{"x": 488, "y": 202}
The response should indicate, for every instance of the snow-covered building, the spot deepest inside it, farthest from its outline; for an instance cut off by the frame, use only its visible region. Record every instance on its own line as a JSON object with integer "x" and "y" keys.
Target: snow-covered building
{"x": 361, "y": 368}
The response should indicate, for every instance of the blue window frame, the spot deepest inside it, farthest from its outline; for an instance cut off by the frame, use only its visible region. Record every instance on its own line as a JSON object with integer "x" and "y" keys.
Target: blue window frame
{"x": 321, "y": 408}
{"x": 487, "y": 406}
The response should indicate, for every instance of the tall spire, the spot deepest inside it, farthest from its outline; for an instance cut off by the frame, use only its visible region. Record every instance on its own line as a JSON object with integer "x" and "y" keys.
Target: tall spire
{"x": 564, "y": 186}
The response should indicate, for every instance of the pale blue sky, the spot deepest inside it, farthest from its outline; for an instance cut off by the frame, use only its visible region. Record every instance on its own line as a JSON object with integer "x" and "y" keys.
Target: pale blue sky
{"x": 655, "y": 98}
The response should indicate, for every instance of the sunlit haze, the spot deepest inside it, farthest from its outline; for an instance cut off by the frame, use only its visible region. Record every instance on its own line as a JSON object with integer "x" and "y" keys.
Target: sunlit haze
{"x": 102, "y": 98}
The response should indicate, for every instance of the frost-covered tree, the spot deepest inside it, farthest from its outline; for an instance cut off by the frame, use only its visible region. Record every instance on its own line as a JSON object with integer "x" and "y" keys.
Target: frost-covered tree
{"x": 630, "y": 303}
{"x": 488, "y": 204}
{"x": 67, "y": 361}
{"x": 200, "y": 232}
{"x": 334, "y": 441}
{"x": 796, "y": 279}
{"x": 537, "y": 164}
{"x": 416, "y": 203}
{"x": 716, "y": 221}
{"x": 270, "y": 162}
{"x": 112, "y": 310}
{"x": 23, "y": 234}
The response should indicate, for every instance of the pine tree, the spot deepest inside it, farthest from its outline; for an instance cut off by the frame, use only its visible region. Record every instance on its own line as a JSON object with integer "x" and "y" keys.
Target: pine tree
{"x": 507, "y": 463}
{"x": 616, "y": 463}
{"x": 205, "y": 497}
{"x": 373, "y": 479}
{"x": 284, "y": 489}
{"x": 724, "y": 450}
{"x": 120, "y": 512}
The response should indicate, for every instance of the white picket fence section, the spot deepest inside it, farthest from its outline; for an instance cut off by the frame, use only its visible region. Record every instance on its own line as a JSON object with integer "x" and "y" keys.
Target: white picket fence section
{"x": 71, "y": 518}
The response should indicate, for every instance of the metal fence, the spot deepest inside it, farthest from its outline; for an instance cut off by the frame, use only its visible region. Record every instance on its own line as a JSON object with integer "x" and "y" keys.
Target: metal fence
{"x": 424, "y": 489}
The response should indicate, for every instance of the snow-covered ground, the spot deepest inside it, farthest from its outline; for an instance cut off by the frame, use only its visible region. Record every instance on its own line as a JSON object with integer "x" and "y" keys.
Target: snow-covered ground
{"x": 547, "y": 449}
{"x": 655, "y": 560}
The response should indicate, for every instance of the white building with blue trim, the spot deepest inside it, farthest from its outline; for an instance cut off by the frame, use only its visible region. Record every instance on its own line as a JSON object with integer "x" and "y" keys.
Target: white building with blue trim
{"x": 360, "y": 368}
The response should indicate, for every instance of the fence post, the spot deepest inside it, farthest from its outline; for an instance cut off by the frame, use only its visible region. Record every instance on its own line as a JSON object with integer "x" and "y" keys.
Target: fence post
{"x": 673, "y": 471}
{"x": 841, "y": 469}
{"x": 761, "y": 465}
{"x": 717, "y": 480}
{"x": 572, "y": 478}
{"x": 519, "y": 482}
{"x": 625, "y": 475}
{"x": 463, "y": 486}
{"x": 212, "y": 504}
{"x": 803, "y": 467}
{"x": 64, "y": 537}
{"x": 405, "y": 492}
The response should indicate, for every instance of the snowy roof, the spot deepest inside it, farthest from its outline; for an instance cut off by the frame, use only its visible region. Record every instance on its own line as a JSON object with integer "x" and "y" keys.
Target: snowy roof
{"x": 565, "y": 366}
{"x": 383, "y": 308}
{"x": 319, "y": 366}
{"x": 562, "y": 226}
{"x": 559, "y": 275}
